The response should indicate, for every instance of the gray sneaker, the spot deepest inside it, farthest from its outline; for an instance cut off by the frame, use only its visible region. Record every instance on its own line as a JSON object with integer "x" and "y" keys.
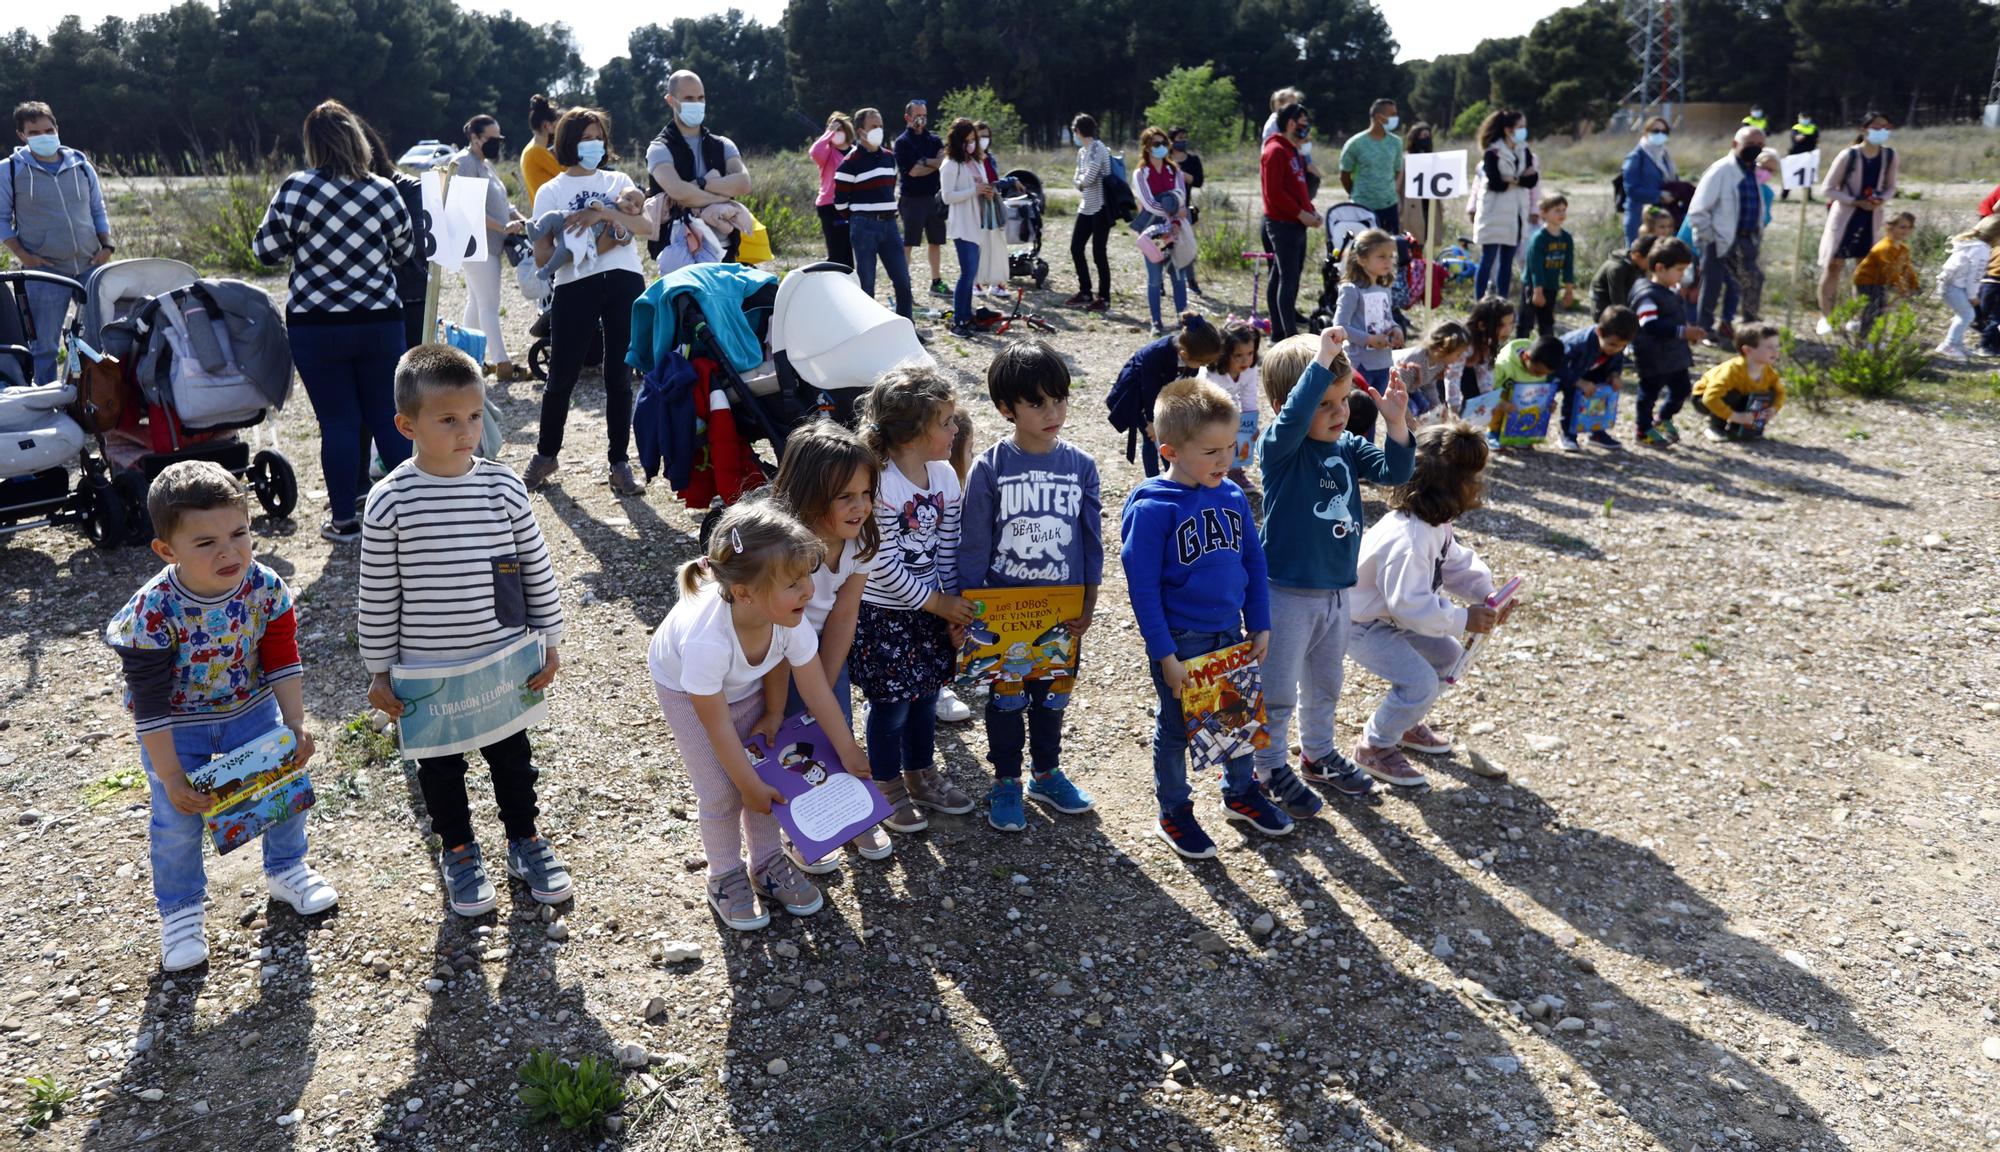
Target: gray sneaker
{"x": 539, "y": 470}
{"x": 625, "y": 482}
{"x": 778, "y": 880}
{"x": 533, "y": 862}
{"x": 465, "y": 882}
{"x": 731, "y": 896}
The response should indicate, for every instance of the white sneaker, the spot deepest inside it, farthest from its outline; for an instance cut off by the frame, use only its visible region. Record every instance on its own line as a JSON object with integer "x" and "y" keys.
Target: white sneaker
{"x": 1823, "y": 328}
{"x": 1951, "y": 352}
{"x": 874, "y": 844}
{"x": 1569, "y": 444}
{"x": 184, "y": 939}
{"x": 304, "y": 889}
{"x": 820, "y": 867}
{"x": 951, "y": 709}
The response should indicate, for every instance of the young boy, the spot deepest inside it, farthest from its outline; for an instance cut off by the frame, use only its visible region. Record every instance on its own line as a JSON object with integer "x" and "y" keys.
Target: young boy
{"x": 453, "y": 567}
{"x": 1195, "y": 569}
{"x": 1887, "y": 268}
{"x": 1661, "y": 349}
{"x": 1550, "y": 266}
{"x": 1032, "y": 517}
{"x": 1613, "y": 283}
{"x": 1521, "y": 362}
{"x": 1743, "y": 392}
{"x": 1312, "y": 502}
{"x": 211, "y": 656}
{"x": 1592, "y": 358}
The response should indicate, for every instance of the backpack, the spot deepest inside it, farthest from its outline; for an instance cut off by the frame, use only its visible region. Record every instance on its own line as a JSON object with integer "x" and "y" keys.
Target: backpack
{"x": 1118, "y": 198}
{"x": 215, "y": 353}
{"x": 712, "y": 160}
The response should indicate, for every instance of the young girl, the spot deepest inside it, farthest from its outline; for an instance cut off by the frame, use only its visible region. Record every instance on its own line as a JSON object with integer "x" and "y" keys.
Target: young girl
{"x": 911, "y": 619}
{"x": 1431, "y": 370}
{"x": 1958, "y": 281}
{"x": 1491, "y": 326}
{"x": 1162, "y": 196}
{"x": 1886, "y": 269}
{"x": 1405, "y": 626}
{"x": 1193, "y": 347}
{"x": 1367, "y": 310}
{"x": 1235, "y": 372}
{"x": 741, "y": 614}
{"x": 827, "y": 479}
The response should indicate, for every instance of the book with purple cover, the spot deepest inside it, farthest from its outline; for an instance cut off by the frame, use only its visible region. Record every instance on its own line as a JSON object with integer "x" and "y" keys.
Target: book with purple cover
{"x": 824, "y": 806}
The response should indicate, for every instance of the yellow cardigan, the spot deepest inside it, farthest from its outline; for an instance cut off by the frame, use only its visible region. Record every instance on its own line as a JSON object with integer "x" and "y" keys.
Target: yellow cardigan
{"x": 538, "y": 167}
{"x": 1887, "y": 265}
{"x": 1732, "y": 377}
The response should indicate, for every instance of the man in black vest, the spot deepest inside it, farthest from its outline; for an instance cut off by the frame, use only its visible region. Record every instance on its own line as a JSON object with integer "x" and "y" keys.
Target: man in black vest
{"x": 695, "y": 167}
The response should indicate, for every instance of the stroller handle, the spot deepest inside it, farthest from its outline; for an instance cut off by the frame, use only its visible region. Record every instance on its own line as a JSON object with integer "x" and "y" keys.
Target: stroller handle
{"x": 35, "y": 276}
{"x": 1260, "y": 255}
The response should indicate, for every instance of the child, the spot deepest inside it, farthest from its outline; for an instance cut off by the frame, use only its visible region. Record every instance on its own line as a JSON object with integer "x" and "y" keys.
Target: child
{"x": 1491, "y": 323}
{"x": 1432, "y": 369}
{"x": 827, "y": 479}
{"x": 740, "y": 616}
{"x": 1406, "y": 628}
{"x": 912, "y": 618}
{"x": 1615, "y": 277}
{"x": 1235, "y": 372}
{"x": 1660, "y": 223}
{"x": 1033, "y": 517}
{"x": 1886, "y": 268}
{"x": 1661, "y": 350}
{"x": 551, "y": 223}
{"x": 1592, "y": 358}
{"x": 1550, "y": 266}
{"x": 1366, "y": 308}
{"x": 210, "y": 650}
{"x": 453, "y": 567}
{"x": 1195, "y": 346}
{"x": 950, "y": 709}
{"x": 1958, "y": 281}
{"x": 1312, "y": 502}
{"x": 1743, "y": 392}
{"x": 1521, "y": 362}
{"x": 1196, "y": 575}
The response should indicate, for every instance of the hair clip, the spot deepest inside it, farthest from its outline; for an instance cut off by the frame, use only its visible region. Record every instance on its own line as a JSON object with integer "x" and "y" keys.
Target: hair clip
{"x": 735, "y": 540}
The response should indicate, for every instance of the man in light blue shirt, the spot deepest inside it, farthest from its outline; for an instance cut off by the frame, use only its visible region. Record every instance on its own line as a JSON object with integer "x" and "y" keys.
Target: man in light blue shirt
{"x": 52, "y": 219}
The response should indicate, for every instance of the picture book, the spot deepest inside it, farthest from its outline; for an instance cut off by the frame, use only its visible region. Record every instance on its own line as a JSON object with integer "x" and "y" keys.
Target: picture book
{"x": 255, "y": 787}
{"x": 459, "y": 707}
{"x": 1477, "y": 640}
{"x": 1478, "y": 410}
{"x": 1758, "y": 404}
{"x": 1223, "y": 703}
{"x": 1246, "y": 438}
{"x": 1596, "y": 412}
{"x": 824, "y": 806}
{"x": 1020, "y": 634}
{"x": 1528, "y": 424}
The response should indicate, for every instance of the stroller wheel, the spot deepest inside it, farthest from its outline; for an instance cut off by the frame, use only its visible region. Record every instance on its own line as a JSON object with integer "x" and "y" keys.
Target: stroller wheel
{"x": 276, "y": 485}
{"x": 708, "y": 520}
{"x": 130, "y": 488}
{"x": 1041, "y": 273}
{"x": 538, "y": 360}
{"x": 103, "y": 513}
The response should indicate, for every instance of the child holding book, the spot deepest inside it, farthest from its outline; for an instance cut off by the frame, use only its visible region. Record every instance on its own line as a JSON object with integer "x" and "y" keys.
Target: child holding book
{"x": 1195, "y": 570}
{"x": 1741, "y": 394}
{"x": 1491, "y": 323}
{"x": 1235, "y": 372}
{"x": 1193, "y": 346}
{"x": 1522, "y": 362}
{"x": 1662, "y": 349}
{"x": 740, "y": 617}
{"x": 209, "y": 646}
{"x": 1406, "y": 627}
{"x": 1431, "y": 371}
{"x": 453, "y": 567}
{"x": 1593, "y": 358}
{"x": 1887, "y": 269}
{"x": 1615, "y": 277}
{"x": 1033, "y": 518}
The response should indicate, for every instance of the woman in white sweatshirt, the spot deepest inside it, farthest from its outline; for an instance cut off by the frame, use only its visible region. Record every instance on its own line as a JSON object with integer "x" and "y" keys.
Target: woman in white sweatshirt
{"x": 1405, "y": 624}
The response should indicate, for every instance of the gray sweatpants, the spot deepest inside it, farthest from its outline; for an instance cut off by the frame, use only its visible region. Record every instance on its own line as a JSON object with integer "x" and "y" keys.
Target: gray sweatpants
{"x": 1411, "y": 663}
{"x": 1307, "y": 651}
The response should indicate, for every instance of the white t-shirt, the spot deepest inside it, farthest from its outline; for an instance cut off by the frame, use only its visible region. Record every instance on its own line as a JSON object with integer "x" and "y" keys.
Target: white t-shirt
{"x": 695, "y": 649}
{"x": 827, "y": 583}
{"x": 571, "y": 193}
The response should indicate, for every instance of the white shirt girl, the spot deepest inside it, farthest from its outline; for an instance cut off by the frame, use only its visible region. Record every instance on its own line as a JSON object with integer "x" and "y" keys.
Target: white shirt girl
{"x": 695, "y": 650}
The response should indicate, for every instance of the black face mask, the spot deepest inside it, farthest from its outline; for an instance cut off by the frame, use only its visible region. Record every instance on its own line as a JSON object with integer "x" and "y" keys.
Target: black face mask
{"x": 490, "y": 148}
{"x": 1749, "y": 155}
{"x": 1420, "y": 143}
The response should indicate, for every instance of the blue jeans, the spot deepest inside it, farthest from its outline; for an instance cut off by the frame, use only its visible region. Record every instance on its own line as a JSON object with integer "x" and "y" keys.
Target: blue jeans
{"x": 1154, "y": 274}
{"x": 843, "y": 695}
{"x": 1496, "y": 267}
{"x": 902, "y": 736}
{"x": 968, "y": 275}
{"x": 1635, "y": 215}
{"x": 1961, "y": 316}
{"x": 876, "y": 234}
{"x": 1170, "y": 740}
{"x": 1735, "y": 269}
{"x": 48, "y": 307}
{"x": 176, "y": 837}
{"x": 349, "y": 371}
{"x": 1037, "y": 727}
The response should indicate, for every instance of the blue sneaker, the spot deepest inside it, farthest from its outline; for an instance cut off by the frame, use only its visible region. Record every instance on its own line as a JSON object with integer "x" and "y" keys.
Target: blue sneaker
{"x": 1057, "y": 792}
{"x": 465, "y": 881}
{"x": 1493, "y": 442}
{"x": 1338, "y": 772}
{"x": 1179, "y": 829}
{"x": 1003, "y": 806}
{"x": 1251, "y": 808}
{"x": 1287, "y": 791}
{"x": 533, "y": 862}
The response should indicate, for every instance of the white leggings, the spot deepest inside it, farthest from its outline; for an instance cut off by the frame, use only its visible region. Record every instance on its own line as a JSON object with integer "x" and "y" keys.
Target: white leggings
{"x": 482, "y": 304}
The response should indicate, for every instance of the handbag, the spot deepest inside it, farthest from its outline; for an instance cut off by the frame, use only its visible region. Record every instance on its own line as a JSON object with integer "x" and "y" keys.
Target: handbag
{"x": 100, "y": 393}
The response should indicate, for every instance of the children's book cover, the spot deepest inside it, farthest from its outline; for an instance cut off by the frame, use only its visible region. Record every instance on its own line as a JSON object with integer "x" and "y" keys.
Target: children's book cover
{"x": 1598, "y": 411}
{"x": 1758, "y": 404}
{"x": 1246, "y": 438}
{"x": 254, "y": 786}
{"x": 1478, "y": 410}
{"x": 1223, "y": 703}
{"x": 1477, "y": 640}
{"x": 1528, "y": 423}
{"x": 460, "y": 707}
{"x": 1018, "y": 635}
{"x": 824, "y": 806}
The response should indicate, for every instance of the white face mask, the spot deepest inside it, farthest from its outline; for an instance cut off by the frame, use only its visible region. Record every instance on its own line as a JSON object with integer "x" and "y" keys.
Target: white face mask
{"x": 874, "y": 137}
{"x": 985, "y": 143}
{"x": 840, "y": 139}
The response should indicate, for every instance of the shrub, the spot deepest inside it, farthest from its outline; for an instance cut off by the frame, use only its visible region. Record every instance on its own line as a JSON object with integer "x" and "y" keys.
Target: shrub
{"x": 210, "y": 220}
{"x": 577, "y": 1096}
{"x": 781, "y": 191}
{"x": 1467, "y": 124}
{"x": 1877, "y": 364}
{"x": 1198, "y": 100}
{"x": 981, "y": 103}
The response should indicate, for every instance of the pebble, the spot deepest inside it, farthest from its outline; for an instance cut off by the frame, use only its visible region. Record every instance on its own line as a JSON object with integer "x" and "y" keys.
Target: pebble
{"x": 1062, "y": 988}
{"x": 460, "y": 1088}
{"x": 815, "y": 986}
{"x": 433, "y": 985}
{"x": 152, "y": 1095}
{"x": 657, "y": 1006}
{"x": 631, "y": 1055}
{"x": 291, "y": 1118}
{"x": 1505, "y": 1065}
{"x": 1209, "y": 942}
{"x": 1482, "y": 728}
{"x": 1990, "y": 1047}
{"x": 1543, "y": 745}
{"x": 1571, "y": 1024}
{"x": 558, "y": 931}
{"x": 199, "y": 1107}
{"x": 1797, "y": 959}
{"x": 777, "y": 1067}
{"x": 29, "y": 816}
{"x": 1264, "y": 924}
{"x": 414, "y": 1104}
{"x": 779, "y": 996}
{"x": 1442, "y": 949}
{"x": 786, "y": 949}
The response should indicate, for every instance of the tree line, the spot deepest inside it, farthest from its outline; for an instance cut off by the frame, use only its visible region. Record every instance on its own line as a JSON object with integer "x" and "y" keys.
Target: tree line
{"x": 183, "y": 86}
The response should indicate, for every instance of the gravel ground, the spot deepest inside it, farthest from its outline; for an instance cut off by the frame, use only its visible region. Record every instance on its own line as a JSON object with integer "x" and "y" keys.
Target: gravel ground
{"x": 1737, "y": 893}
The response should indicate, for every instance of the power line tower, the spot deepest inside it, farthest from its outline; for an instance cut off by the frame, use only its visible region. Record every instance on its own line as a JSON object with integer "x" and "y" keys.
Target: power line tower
{"x": 1655, "y": 40}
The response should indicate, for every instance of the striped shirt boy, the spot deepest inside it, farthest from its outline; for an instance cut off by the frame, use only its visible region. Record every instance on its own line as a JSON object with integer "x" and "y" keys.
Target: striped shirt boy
{"x": 866, "y": 182}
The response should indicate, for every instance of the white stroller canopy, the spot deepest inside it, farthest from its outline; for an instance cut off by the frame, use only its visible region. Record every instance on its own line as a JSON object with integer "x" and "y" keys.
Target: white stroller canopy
{"x": 116, "y": 288}
{"x": 836, "y": 335}
{"x": 1344, "y": 222}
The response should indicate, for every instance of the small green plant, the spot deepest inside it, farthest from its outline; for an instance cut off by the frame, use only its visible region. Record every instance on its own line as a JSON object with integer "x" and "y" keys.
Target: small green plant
{"x": 1702, "y": 647}
{"x": 111, "y": 786}
{"x": 578, "y": 1096}
{"x": 46, "y": 1098}
{"x": 1877, "y": 364}
{"x": 1608, "y": 500}
{"x": 1857, "y": 434}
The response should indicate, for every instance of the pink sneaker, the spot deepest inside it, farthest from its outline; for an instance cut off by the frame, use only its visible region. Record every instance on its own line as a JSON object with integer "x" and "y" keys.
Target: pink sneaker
{"x": 1420, "y": 738}
{"x": 1389, "y": 766}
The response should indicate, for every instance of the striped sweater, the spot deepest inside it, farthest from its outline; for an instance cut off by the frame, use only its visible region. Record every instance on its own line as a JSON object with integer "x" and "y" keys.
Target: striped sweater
{"x": 919, "y": 551}
{"x": 866, "y": 182}
{"x": 452, "y": 568}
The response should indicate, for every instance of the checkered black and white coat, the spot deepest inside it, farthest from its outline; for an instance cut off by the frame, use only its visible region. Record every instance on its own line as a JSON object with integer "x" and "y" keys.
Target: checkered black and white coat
{"x": 344, "y": 238}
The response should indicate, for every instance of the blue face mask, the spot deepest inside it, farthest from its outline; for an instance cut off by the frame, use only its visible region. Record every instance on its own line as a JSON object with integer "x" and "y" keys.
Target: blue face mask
{"x": 590, "y": 153}
{"x": 1878, "y": 136}
{"x": 1657, "y": 139}
{"x": 693, "y": 112}
{"x": 45, "y": 145}
{"x": 1521, "y": 134}
{"x": 1389, "y": 125}
{"x": 1159, "y": 151}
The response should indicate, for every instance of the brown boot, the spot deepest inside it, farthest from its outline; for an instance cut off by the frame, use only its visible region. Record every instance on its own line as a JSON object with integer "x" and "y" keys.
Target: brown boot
{"x": 904, "y": 815}
{"x": 930, "y": 789}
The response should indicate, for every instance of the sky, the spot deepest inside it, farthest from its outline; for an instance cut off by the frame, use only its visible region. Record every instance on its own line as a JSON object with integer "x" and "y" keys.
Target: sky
{"x": 1423, "y": 28}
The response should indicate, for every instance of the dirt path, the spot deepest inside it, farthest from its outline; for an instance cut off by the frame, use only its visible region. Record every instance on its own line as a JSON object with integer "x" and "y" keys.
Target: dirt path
{"x": 1738, "y": 893}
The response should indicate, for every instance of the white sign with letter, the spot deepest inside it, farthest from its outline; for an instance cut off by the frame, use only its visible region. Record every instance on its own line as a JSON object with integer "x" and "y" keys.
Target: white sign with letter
{"x": 1434, "y": 175}
{"x": 1801, "y": 170}
{"x": 453, "y": 230}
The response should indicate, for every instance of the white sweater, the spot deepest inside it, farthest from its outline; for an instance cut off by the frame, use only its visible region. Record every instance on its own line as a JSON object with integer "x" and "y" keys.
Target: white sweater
{"x": 1966, "y": 265}
{"x": 1406, "y": 568}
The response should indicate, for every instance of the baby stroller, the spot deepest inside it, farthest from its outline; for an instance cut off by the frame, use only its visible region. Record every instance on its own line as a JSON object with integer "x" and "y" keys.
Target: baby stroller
{"x": 200, "y": 360}
{"x": 1025, "y": 201}
{"x": 537, "y": 292}
{"x": 41, "y": 436}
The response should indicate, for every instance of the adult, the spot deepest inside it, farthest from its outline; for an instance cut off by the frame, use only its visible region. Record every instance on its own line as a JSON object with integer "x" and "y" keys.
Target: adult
{"x": 52, "y": 218}
{"x": 919, "y": 156}
{"x": 1189, "y": 163}
{"x": 1093, "y": 222}
{"x": 596, "y": 292}
{"x": 1371, "y": 167}
{"x": 538, "y": 162}
{"x": 1162, "y": 198}
{"x": 483, "y": 149}
{"x": 1756, "y": 119}
{"x": 864, "y": 191}
{"x": 1859, "y": 181}
{"x": 413, "y": 272}
{"x": 345, "y": 231}
{"x": 1726, "y": 217}
{"x": 1506, "y": 202}
{"x": 1648, "y": 168}
{"x": 1417, "y": 142}
{"x": 827, "y": 152}
{"x": 700, "y": 172}
{"x": 1288, "y": 215}
{"x": 993, "y": 264}
{"x": 963, "y": 184}
{"x": 1805, "y": 138}
{"x": 1282, "y": 99}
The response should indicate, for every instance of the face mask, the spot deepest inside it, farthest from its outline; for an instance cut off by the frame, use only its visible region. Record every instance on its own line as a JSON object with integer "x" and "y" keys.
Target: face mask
{"x": 1763, "y": 177}
{"x": 1521, "y": 134}
{"x": 1806, "y": 120}
{"x": 1389, "y": 125}
{"x": 45, "y": 145}
{"x": 1159, "y": 151}
{"x": 1878, "y": 136}
{"x": 1656, "y": 139}
{"x": 1756, "y": 113}
{"x": 986, "y": 143}
{"x": 917, "y": 125}
{"x": 490, "y": 148}
{"x": 840, "y": 139}
{"x": 693, "y": 112}
{"x": 590, "y": 153}
{"x": 874, "y": 137}
{"x": 1749, "y": 155}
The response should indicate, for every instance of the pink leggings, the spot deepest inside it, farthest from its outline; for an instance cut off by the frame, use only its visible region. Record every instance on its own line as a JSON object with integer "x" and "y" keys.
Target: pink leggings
{"x": 725, "y": 822}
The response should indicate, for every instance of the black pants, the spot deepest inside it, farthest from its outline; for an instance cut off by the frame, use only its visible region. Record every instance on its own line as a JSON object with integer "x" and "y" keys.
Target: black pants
{"x": 1389, "y": 219}
{"x": 1676, "y": 386}
{"x": 1036, "y": 727}
{"x": 580, "y": 306}
{"x": 1287, "y": 239}
{"x": 510, "y": 763}
{"x": 1533, "y": 319}
{"x": 833, "y": 229}
{"x": 1094, "y": 230}
{"x": 1989, "y": 315}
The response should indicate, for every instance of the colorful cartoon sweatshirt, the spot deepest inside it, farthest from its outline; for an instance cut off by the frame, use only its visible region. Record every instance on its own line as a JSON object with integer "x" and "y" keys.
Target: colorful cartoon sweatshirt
{"x": 198, "y": 660}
